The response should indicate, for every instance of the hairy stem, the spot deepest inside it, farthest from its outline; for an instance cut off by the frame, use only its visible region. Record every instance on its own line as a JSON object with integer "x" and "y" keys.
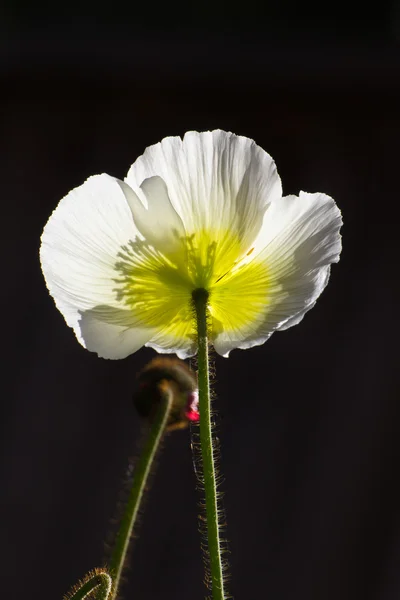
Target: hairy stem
{"x": 200, "y": 300}
{"x": 97, "y": 584}
{"x": 142, "y": 471}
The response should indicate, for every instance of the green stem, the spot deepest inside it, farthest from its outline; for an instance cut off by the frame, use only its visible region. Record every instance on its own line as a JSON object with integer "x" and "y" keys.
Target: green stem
{"x": 200, "y": 300}
{"x": 142, "y": 471}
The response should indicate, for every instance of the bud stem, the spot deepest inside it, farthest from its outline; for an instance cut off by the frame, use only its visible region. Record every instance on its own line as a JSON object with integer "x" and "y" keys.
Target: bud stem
{"x": 200, "y": 300}
{"x": 142, "y": 471}
{"x": 97, "y": 583}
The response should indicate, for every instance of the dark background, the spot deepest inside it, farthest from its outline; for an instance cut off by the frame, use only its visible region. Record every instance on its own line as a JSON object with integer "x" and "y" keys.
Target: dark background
{"x": 309, "y": 423}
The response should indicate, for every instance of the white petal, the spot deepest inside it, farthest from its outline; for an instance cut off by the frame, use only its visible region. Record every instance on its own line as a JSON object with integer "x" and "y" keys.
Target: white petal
{"x": 215, "y": 180}
{"x": 79, "y": 249}
{"x": 155, "y": 218}
{"x": 176, "y": 337}
{"x": 168, "y": 344}
{"x": 298, "y": 242}
{"x": 111, "y": 333}
{"x": 324, "y": 274}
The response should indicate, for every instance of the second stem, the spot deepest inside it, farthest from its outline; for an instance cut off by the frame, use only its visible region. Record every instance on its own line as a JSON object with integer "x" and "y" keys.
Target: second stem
{"x": 143, "y": 467}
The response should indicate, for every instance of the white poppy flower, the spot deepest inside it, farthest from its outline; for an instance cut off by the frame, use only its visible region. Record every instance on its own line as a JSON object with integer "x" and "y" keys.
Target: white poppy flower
{"x": 121, "y": 259}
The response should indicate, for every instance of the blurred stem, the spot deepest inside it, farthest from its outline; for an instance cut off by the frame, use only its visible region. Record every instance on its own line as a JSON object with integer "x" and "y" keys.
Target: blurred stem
{"x": 200, "y": 300}
{"x": 142, "y": 471}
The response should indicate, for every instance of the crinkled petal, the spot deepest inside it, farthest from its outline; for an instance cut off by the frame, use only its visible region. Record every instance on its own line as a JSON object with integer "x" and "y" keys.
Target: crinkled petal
{"x": 80, "y": 246}
{"x": 215, "y": 180}
{"x": 297, "y": 243}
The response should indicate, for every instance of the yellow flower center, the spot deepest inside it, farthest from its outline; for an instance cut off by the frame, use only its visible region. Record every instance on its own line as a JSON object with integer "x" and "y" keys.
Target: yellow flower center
{"x": 158, "y": 288}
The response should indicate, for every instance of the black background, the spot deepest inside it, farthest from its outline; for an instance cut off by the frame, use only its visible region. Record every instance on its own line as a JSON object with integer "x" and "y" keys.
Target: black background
{"x": 309, "y": 423}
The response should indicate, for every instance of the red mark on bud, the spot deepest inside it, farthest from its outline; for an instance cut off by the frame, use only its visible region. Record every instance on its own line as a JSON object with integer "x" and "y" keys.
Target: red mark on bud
{"x": 192, "y": 407}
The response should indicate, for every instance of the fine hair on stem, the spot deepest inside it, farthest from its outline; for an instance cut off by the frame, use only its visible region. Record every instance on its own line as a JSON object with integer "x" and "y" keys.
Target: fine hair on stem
{"x": 129, "y": 510}
{"x": 205, "y": 446}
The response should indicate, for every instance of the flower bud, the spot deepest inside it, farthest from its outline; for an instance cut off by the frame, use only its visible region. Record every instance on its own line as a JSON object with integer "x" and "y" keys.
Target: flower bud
{"x": 175, "y": 373}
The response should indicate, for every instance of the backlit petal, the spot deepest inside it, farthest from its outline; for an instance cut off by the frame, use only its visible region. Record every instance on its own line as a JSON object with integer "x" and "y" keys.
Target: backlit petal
{"x": 155, "y": 217}
{"x": 215, "y": 180}
{"x": 111, "y": 332}
{"x": 79, "y": 249}
{"x": 298, "y": 241}
{"x": 180, "y": 341}
{"x": 121, "y": 259}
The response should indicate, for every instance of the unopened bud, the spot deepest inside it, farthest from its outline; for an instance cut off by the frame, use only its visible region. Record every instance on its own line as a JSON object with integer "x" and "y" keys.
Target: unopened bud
{"x": 183, "y": 384}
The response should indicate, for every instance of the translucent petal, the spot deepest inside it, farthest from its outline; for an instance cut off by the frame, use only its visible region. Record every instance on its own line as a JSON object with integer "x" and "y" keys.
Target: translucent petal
{"x": 181, "y": 342}
{"x": 158, "y": 287}
{"x": 112, "y": 333}
{"x": 121, "y": 259}
{"x": 298, "y": 241}
{"x": 155, "y": 217}
{"x": 80, "y": 245}
{"x": 214, "y": 179}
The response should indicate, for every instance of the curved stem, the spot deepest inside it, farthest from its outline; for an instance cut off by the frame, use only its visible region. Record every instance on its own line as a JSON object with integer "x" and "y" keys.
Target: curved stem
{"x": 200, "y": 300}
{"x": 143, "y": 468}
{"x": 98, "y": 581}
